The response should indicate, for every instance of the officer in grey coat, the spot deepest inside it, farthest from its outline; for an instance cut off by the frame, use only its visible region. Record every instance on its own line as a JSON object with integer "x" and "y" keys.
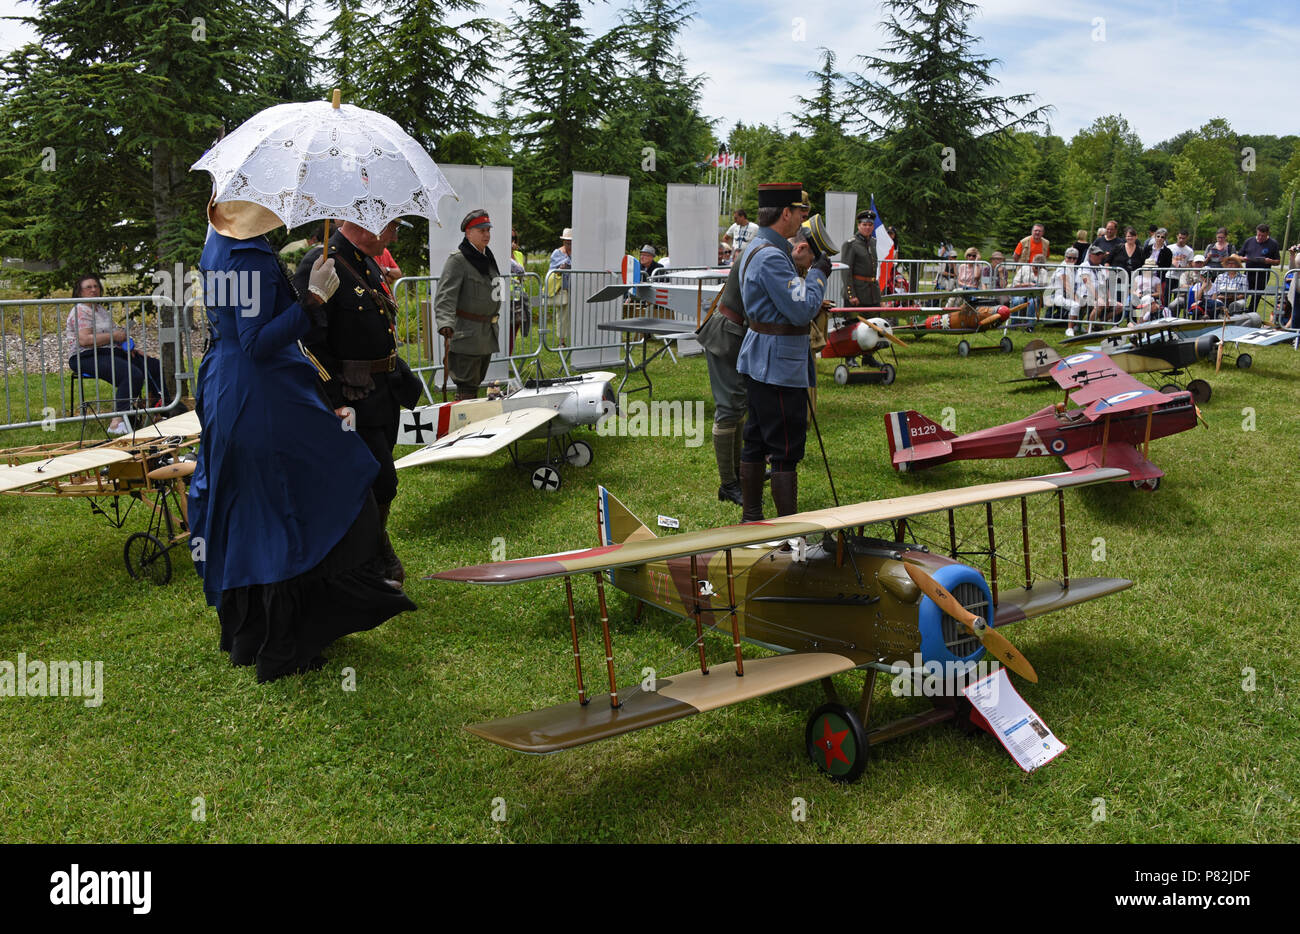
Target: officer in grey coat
{"x": 468, "y": 305}
{"x": 775, "y": 355}
{"x": 861, "y": 287}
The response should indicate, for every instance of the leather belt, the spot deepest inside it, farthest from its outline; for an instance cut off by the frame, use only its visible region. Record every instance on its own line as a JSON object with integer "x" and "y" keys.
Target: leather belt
{"x": 488, "y": 319}
{"x": 382, "y": 365}
{"x": 779, "y": 330}
{"x": 865, "y": 278}
{"x": 731, "y": 315}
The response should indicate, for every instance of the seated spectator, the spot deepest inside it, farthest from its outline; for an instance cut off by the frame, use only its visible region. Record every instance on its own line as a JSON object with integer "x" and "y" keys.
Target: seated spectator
{"x": 724, "y": 253}
{"x": 1180, "y": 258}
{"x": 1191, "y": 290}
{"x": 1061, "y": 300}
{"x": 968, "y": 273}
{"x": 1092, "y": 286}
{"x": 946, "y": 278}
{"x": 1227, "y": 296}
{"x": 997, "y": 273}
{"x": 1034, "y": 276}
{"x": 96, "y": 346}
{"x": 1147, "y": 291}
{"x": 648, "y": 264}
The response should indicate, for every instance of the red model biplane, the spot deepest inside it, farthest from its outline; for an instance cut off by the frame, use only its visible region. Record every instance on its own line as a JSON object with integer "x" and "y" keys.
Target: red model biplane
{"x": 1116, "y": 415}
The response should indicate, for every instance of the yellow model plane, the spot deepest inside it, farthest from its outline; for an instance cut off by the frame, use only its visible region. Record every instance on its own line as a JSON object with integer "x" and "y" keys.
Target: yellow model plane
{"x": 816, "y": 588}
{"x": 150, "y": 465}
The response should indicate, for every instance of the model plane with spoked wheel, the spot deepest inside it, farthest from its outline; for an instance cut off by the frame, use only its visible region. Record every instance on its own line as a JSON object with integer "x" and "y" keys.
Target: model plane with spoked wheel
{"x": 1113, "y": 425}
{"x": 965, "y": 317}
{"x": 151, "y": 465}
{"x": 546, "y": 409}
{"x": 844, "y": 602}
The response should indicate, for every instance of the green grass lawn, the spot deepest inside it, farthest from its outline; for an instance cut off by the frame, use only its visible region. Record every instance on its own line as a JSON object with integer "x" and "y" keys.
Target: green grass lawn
{"x": 1146, "y": 687}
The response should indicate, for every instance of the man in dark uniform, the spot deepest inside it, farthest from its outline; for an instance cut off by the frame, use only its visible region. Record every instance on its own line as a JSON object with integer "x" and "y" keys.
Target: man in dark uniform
{"x": 358, "y": 349}
{"x": 775, "y": 356}
{"x": 860, "y": 285}
{"x": 721, "y": 335}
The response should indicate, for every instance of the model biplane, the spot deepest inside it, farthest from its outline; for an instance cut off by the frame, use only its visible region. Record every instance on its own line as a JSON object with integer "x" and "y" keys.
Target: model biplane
{"x": 969, "y": 316}
{"x": 1161, "y": 347}
{"x": 152, "y": 466}
{"x": 1115, "y": 416}
{"x": 837, "y": 601}
{"x": 546, "y": 409}
{"x": 856, "y": 344}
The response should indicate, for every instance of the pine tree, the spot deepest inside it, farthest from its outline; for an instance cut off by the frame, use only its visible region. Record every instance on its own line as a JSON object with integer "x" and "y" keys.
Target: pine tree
{"x": 106, "y": 112}
{"x": 353, "y": 41}
{"x": 941, "y": 136}
{"x": 1036, "y": 198}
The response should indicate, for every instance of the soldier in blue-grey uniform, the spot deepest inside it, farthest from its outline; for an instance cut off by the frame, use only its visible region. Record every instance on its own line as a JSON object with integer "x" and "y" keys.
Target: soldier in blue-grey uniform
{"x": 775, "y": 355}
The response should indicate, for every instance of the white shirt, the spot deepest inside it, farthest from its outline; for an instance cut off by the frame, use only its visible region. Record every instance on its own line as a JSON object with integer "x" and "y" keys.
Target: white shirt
{"x": 741, "y": 236}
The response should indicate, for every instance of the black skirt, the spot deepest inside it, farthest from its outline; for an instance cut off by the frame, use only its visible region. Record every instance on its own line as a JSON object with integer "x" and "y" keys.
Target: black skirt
{"x": 282, "y": 627}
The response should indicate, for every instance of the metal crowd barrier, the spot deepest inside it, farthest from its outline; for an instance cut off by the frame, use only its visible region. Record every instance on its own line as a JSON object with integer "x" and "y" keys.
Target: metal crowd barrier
{"x": 570, "y": 322}
{"x": 42, "y": 390}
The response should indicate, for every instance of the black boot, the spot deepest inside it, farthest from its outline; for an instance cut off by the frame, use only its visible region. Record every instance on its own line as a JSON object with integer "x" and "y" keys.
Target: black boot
{"x": 393, "y": 569}
{"x": 751, "y": 488}
{"x": 785, "y": 492}
{"x": 724, "y": 448}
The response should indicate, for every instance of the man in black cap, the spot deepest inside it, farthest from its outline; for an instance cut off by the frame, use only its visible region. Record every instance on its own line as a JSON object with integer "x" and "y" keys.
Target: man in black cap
{"x": 775, "y": 356}
{"x": 358, "y": 349}
{"x": 860, "y": 285}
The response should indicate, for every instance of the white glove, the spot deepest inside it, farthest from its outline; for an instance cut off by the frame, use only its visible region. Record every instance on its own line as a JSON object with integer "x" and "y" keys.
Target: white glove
{"x": 323, "y": 281}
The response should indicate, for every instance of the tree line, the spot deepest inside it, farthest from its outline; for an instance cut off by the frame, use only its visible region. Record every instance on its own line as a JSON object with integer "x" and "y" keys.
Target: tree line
{"x": 107, "y": 109}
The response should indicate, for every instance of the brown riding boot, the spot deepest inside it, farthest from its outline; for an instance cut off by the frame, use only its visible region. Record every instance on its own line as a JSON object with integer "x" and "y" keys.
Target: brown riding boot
{"x": 751, "y": 488}
{"x": 785, "y": 492}
{"x": 393, "y": 569}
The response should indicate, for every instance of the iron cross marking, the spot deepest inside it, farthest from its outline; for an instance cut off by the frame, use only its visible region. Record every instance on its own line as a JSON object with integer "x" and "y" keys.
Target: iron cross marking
{"x": 419, "y": 426}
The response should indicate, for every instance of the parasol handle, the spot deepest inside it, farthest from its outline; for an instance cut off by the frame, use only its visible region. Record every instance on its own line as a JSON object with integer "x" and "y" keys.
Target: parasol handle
{"x": 326, "y": 254}
{"x": 336, "y": 99}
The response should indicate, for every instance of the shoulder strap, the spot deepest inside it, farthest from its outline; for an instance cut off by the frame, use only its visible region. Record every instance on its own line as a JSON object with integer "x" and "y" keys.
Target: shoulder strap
{"x": 744, "y": 267}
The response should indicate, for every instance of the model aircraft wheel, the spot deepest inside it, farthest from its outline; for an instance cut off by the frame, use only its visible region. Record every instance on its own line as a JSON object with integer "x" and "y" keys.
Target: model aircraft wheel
{"x": 578, "y": 454}
{"x": 546, "y": 478}
{"x": 1171, "y": 388}
{"x": 963, "y": 349}
{"x": 1147, "y": 486}
{"x": 841, "y": 374}
{"x": 1005, "y": 345}
{"x": 836, "y": 742}
{"x": 1200, "y": 391}
{"x": 147, "y": 559}
{"x": 1244, "y": 360}
{"x": 887, "y": 374}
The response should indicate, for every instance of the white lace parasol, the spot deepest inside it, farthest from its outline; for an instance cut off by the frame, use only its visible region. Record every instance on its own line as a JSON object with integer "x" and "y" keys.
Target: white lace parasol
{"x": 312, "y": 162}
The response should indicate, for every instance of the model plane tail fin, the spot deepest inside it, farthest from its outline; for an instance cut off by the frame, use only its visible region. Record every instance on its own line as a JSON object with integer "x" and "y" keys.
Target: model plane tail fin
{"x": 617, "y": 523}
{"x": 913, "y": 437}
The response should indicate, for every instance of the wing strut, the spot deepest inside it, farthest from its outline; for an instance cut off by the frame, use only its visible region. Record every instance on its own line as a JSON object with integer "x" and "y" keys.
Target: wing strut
{"x": 609, "y": 647}
{"x": 1065, "y": 562}
{"x": 1024, "y": 528}
{"x": 993, "y": 552}
{"x": 573, "y": 628}
{"x": 735, "y": 623}
{"x": 695, "y": 611}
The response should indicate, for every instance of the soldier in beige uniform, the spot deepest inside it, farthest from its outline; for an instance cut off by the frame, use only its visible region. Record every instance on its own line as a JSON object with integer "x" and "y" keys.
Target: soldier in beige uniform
{"x": 861, "y": 289}
{"x": 468, "y": 305}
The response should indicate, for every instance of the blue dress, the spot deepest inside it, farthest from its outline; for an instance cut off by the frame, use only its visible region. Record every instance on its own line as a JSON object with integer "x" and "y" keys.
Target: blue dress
{"x": 284, "y": 530}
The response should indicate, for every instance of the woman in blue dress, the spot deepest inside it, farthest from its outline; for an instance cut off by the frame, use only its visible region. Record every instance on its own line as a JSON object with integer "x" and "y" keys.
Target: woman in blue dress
{"x": 284, "y": 530}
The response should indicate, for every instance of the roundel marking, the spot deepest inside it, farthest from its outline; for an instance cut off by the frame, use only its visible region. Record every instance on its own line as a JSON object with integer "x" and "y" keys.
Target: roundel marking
{"x": 1058, "y": 445}
{"x": 1124, "y": 396}
{"x": 1080, "y": 358}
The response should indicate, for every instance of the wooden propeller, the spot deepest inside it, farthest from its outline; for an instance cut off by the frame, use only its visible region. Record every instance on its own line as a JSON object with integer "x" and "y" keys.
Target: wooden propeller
{"x": 881, "y": 331}
{"x": 996, "y": 643}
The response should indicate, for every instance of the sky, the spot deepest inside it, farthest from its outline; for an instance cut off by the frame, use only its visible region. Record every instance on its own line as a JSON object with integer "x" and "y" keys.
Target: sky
{"x": 1165, "y": 65}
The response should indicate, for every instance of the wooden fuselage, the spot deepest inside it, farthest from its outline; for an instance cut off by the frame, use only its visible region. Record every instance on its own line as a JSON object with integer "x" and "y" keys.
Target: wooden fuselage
{"x": 831, "y": 601}
{"x": 1160, "y": 354}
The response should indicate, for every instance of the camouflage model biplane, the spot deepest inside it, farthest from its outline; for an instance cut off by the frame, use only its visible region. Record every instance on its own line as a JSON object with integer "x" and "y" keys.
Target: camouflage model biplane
{"x": 151, "y": 466}
{"x": 965, "y": 317}
{"x": 845, "y": 602}
{"x": 1116, "y": 415}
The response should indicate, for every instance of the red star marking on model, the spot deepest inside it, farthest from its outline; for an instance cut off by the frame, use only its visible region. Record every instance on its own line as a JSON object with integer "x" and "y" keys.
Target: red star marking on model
{"x": 833, "y": 743}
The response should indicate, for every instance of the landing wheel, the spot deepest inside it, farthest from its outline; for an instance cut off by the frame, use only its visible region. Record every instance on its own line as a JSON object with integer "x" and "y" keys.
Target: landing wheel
{"x": 836, "y": 742}
{"x": 1171, "y": 388}
{"x": 963, "y": 349}
{"x": 887, "y": 374}
{"x": 578, "y": 454}
{"x": 546, "y": 478}
{"x": 841, "y": 374}
{"x": 1200, "y": 391}
{"x": 147, "y": 559}
{"x": 1147, "y": 486}
{"x": 1244, "y": 360}
{"x": 1005, "y": 345}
